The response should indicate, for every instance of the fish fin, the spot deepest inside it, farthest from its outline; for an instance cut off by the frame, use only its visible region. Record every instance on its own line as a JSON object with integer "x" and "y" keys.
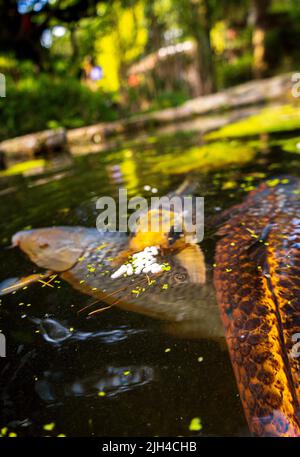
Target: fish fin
{"x": 12, "y": 285}
{"x": 122, "y": 257}
{"x": 192, "y": 259}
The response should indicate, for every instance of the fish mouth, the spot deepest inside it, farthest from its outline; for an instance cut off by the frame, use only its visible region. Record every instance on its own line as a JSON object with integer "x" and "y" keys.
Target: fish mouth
{"x": 18, "y": 237}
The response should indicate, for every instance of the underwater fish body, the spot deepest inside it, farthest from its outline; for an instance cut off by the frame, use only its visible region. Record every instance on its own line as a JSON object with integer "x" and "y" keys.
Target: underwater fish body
{"x": 257, "y": 281}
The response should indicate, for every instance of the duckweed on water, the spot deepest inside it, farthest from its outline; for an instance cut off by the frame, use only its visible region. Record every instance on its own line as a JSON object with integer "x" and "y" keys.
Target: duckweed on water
{"x": 207, "y": 157}
{"x": 289, "y": 145}
{"x": 3, "y": 431}
{"x": 270, "y": 120}
{"x": 195, "y": 425}
{"x": 24, "y": 167}
{"x": 49, "y": 427}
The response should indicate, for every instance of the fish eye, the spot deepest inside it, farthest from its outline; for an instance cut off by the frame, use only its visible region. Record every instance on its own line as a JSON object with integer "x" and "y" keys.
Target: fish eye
{"x": 180, "y": 277}
{"x": 43, "y": 245}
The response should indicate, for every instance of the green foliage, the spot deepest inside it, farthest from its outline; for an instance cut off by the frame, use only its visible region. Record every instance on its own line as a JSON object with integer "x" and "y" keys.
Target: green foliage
{"x": 35, "y": 104}
{"x": 233, "y": 73}
{"x": 115, "y": 34}
{"x": 168, "y": 99}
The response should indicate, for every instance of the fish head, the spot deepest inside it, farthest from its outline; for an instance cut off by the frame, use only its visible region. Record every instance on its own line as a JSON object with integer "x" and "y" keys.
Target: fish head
{"x": 54, "y": 248}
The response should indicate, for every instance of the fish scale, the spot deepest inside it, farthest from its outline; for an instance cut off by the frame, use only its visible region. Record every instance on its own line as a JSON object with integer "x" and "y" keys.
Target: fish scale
{"x": 258, "y": 294}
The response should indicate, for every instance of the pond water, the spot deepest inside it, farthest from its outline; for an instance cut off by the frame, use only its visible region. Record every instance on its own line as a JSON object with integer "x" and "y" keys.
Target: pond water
{"x": 154, "y": 383}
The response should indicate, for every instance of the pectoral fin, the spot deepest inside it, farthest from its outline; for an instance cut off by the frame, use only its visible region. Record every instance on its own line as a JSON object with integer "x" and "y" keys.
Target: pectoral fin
{"x": 192, "y": 259}
{"x": 13, "y": 284}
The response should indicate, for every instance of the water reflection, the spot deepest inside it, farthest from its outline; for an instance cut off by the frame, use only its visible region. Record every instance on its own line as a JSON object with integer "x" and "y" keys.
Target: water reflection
{"x": 107, "y": 381}
{"x": 55, "y": 332}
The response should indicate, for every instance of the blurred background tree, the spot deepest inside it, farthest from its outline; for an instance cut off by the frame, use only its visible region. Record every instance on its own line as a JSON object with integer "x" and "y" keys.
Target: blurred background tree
{"x": 75, "y": 62}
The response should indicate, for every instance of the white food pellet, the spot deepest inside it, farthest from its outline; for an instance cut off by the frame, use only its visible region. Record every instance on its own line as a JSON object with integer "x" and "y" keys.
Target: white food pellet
{"x": 129, "y": 270}
{"x": 121, "y": 271}
{"x": 155, "y": 268}
{"x": 142, "y": 262}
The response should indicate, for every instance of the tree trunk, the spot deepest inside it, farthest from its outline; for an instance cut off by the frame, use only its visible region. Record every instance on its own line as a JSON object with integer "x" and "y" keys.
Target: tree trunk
{"x": 260, "y": 9}
{"x": 201, "y": 30}
{"x": 205, "y": 66}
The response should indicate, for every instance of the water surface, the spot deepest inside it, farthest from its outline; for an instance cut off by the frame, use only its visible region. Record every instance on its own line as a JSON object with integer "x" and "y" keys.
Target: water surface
{"x": 111, "y": 375}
